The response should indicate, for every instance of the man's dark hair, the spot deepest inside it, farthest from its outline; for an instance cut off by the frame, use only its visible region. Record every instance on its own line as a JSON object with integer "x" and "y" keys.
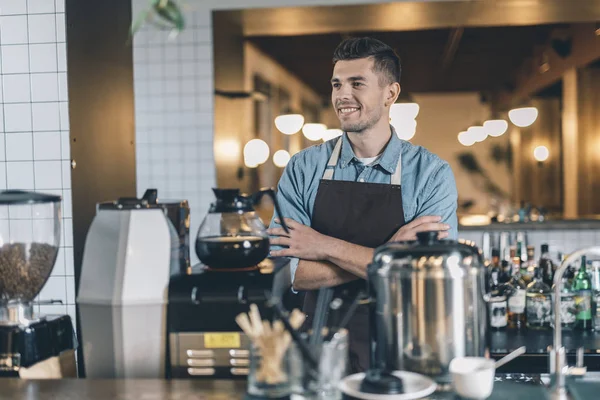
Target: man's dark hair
{"x": 385, "y": 58}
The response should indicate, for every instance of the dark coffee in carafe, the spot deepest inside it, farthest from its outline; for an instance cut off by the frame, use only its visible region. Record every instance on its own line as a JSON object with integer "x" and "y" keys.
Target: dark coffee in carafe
{"x": 230, "y": 252}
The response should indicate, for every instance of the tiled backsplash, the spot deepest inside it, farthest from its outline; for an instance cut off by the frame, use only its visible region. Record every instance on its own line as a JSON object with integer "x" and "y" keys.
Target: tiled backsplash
{"x": 34, "y": 141}
{"x": 174, "y": 111}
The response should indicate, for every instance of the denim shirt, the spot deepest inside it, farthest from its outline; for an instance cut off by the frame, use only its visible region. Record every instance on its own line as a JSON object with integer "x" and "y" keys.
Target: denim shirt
{"x": 428, "y": 186}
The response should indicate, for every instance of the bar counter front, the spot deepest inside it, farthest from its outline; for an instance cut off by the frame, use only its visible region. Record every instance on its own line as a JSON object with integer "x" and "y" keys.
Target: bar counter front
{"x": 157, "y": 389}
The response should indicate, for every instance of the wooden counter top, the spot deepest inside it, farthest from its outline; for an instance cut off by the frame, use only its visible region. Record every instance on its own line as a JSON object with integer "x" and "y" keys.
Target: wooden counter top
{"x": 158, "y": 389}
{"x": 134, "y": 389}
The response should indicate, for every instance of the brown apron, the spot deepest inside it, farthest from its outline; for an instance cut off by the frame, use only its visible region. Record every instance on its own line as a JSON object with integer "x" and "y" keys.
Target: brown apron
{"x": 366, "y": 214}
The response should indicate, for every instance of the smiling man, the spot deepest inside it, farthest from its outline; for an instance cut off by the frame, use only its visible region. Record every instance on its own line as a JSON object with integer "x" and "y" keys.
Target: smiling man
{"x": 345, "y": 197}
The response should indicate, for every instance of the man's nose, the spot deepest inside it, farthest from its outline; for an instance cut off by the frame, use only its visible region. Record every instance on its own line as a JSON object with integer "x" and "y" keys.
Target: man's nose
{"x": 344, "y": 92}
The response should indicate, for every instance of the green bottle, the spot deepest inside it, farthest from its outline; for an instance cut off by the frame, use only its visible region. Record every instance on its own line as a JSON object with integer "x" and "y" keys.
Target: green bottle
{"x": 582, "y": 287}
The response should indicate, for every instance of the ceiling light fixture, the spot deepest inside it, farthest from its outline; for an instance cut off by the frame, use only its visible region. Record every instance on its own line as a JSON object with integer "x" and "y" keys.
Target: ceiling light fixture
{"x": 288, "y": 124}
{"x": 523, "y": 117}
{"x": 495, "y": 127}
{"x": 314, "y": 131}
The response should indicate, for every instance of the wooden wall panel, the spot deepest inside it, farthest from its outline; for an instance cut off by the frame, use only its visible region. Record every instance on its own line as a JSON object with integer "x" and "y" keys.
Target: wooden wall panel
{"x": 541, "y": 183}
{"x": 589, "y": 141}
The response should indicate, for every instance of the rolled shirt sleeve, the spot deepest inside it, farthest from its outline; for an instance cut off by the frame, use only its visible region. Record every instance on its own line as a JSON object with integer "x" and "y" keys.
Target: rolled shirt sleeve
{"x": 291, "y": 202}
{"x": 441, "y": 198}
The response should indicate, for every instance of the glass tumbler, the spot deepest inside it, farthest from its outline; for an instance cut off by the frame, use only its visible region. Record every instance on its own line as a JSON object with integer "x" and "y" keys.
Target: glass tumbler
{"x": 333, "y": 362}
{"x": 269, "y": 373}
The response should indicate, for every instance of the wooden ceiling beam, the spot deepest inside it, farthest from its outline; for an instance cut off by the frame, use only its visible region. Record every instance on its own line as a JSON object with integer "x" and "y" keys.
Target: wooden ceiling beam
{"x": 451, "y": 47}
{"x": 412, "y": 16}
{"x": 546, "y": 67}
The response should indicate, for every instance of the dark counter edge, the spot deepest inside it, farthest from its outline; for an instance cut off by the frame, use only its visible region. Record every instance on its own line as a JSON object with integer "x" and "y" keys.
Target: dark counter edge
{"x": 575, "y": 224}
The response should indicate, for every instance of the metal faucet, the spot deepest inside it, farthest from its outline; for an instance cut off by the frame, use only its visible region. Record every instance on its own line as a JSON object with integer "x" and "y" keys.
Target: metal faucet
{"x": 558, "y": 358}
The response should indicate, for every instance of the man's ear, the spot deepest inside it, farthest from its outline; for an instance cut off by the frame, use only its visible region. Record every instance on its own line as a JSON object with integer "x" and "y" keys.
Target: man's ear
{"x": 392, "y": 93}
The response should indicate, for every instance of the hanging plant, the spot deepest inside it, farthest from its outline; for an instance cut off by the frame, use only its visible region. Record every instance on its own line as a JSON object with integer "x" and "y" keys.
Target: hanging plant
{"x": 163, "y": 14}
{"x": 502, "y": 154}
{"x": 469, "y": 163}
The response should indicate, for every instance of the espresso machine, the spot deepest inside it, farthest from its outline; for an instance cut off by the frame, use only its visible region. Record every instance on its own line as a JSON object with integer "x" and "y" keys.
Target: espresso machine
{"x": 132, "y": 249}
{"x": 32, "y": 346}
{"x": 234, "y": 272}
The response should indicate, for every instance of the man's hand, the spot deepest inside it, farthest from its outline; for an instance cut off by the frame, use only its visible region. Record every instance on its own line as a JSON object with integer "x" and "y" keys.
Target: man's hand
{"x": 302, "y": 241}
{"x": 421, "y": 224}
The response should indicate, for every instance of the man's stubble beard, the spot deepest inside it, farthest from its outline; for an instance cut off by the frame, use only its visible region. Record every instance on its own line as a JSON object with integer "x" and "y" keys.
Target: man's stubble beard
{"x": 360, "y": 127}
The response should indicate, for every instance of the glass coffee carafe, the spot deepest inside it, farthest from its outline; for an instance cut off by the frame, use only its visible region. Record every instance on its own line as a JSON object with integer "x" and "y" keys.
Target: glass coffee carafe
{"x": 232, "y": 235}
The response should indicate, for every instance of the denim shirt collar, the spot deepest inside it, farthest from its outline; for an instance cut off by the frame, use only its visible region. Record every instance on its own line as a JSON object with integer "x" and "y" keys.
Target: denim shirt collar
{"x": 388, "y": 160}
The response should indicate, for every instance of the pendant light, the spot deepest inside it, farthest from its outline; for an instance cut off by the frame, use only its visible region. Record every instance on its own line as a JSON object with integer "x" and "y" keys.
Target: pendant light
{"x": 523, "y": 117}
{"x": 332, "y": 134}
{"x": 314, "y": 131}
{"x": 478, "y": 133}
{"x": 466, "y": 138}
{"x": 288, "y": 124}
{"x": 281, "y": 158}
{"x": 256, "y": 152}
{"x": 541, "y": 153}
{"x": 495, "y": 127}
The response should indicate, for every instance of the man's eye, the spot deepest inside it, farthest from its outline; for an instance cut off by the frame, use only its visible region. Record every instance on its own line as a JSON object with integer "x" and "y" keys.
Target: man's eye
{"x": 336, "y": 85}
{"x": 356, "y": 84}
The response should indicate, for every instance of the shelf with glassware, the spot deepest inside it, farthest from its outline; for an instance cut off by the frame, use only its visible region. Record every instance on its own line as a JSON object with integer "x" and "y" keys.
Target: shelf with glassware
{"x": 520, "y": 307}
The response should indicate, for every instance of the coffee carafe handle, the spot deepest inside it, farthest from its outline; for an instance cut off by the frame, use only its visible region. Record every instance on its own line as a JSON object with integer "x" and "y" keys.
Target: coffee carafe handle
{"x": 271, "y": 193}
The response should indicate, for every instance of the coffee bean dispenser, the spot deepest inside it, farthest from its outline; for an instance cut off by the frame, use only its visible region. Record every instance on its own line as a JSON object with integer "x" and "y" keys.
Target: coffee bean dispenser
{"x": 31, "y": 345}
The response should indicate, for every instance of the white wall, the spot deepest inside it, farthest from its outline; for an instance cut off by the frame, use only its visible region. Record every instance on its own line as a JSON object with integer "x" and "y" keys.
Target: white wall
{"x": 174, "y": 114}
{"x": 34, "y": 141}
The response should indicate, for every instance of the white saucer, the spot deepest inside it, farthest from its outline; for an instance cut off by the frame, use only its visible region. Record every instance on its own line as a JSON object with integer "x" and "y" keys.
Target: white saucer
{"x": 416, "y": 386}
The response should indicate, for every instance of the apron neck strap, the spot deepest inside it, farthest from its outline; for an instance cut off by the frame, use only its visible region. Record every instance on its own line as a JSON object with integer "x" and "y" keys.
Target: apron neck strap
{"x": 333, "y": 160}
{"x": 396, "y": 178}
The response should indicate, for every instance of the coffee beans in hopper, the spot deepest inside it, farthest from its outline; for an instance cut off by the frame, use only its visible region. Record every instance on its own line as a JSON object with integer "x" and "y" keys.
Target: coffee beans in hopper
{"x": 22, "y": 275}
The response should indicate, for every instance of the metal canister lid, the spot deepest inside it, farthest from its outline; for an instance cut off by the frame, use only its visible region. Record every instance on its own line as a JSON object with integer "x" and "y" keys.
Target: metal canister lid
{"x": 15, "y": 197}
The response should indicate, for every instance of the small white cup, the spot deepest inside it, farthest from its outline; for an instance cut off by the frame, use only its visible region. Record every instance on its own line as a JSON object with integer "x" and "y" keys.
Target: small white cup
{"x": 468, "y": 382}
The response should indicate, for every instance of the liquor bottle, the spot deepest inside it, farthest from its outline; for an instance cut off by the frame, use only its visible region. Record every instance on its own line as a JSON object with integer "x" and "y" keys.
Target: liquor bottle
{"x": 506, "y": 272}
{"x": 522, "y": 257}
{"x": 497, "y": 303}
{"x": 539, "y": 302}
{"x": 493, "y": 267}
{"x": 568, "y": 308}
{"x": 546, "y": 265}
{"x": 528, "y": 265}
{"x": 516, "y": 297}
{"x": 595, "y": 273}
{"x": 582, "y": 286}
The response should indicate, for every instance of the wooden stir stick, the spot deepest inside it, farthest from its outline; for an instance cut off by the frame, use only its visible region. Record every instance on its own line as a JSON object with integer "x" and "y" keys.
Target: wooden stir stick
{"x": 271, "y": 340}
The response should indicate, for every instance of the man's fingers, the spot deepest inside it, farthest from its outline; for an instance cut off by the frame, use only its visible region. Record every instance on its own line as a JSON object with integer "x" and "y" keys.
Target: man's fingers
{"x": 281, "y": 241}
{"x": 423, "y": 220}
{"x": 277, "y": 232}
{"x": 289, "y": 222}
{"x": 281, "y": 253}
{"x": 432, "y": 226}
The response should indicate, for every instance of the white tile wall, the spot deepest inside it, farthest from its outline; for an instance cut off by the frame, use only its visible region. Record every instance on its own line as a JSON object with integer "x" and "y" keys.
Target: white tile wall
{"x": 563, "y": 241}
{"x": 44, "y": 87}
{"x": 174, "y": 135}
{"x": 16, "y": 88}
{"x": 34, "y": 127}
{"x": 17, "y": 117}
{"x": 13, "y": 7}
